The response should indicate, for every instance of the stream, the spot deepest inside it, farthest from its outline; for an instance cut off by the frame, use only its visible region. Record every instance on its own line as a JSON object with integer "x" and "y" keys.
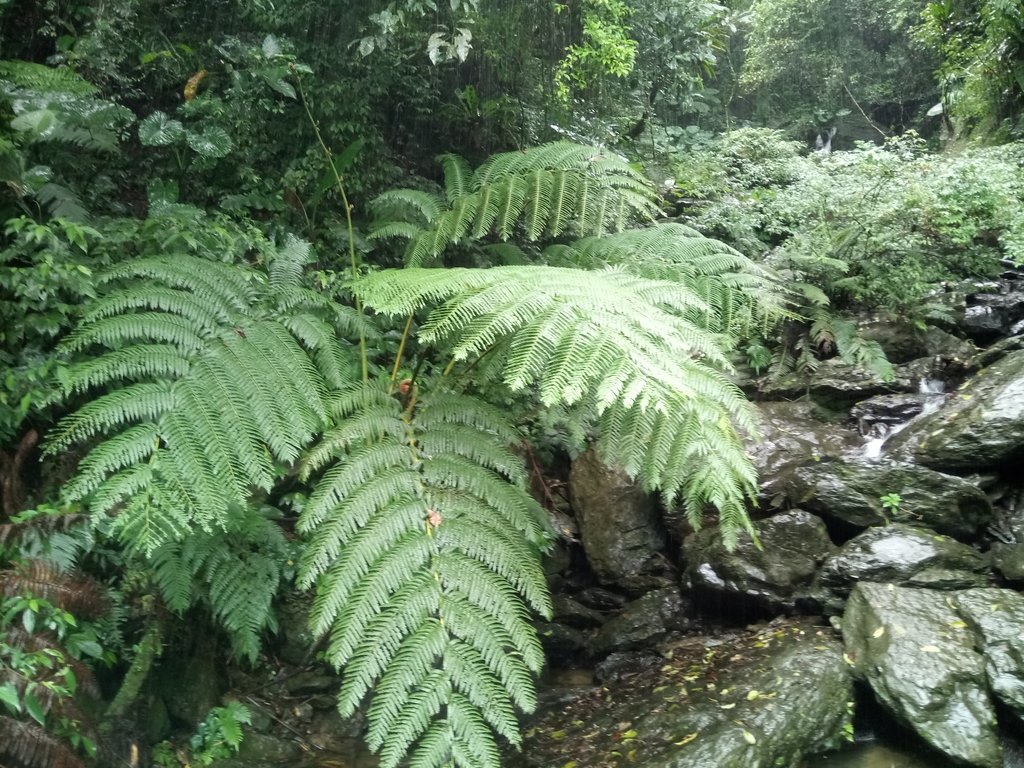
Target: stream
{"x": 877, "y": 754}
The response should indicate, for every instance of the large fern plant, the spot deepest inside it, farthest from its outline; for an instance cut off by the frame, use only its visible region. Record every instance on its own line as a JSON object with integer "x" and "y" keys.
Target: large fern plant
{"x": 541, "y": 192}
{"x": 205, "y": 383}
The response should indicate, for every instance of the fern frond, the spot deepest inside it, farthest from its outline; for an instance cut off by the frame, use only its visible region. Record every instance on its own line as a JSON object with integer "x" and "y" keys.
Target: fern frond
{"x": 38, "y": 77}
{"x": 239, "y": 568}
{"x": 543, "y": 190}
{"x": 457, "y": 177}
{"x": 219, "y": 284}
{"x": 618, "y": 347}
{"x": 27, "y": 744}
{"x": 424, "y": 206}
{"x": 738, "y": 293}
{"x": 196, "y": 424}
{"x": 424, "y": 545}
{"x": 285, "y": 268}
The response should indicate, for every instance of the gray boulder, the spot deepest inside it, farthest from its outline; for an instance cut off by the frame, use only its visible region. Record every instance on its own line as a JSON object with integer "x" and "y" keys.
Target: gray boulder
{"x": 763, "y": 700}
{"x": 876, "y": 415}
{"x": 918, "y": 656}
{"x": 621, "y": 530}
{"x": 770, "y": 578}
{"x": 836, "y": 381}
{"x": 792, "y": 435}
{"x": 643, "y": 622}
{"x": 982, "y": 425}
{"x": 851, "y": 491}
{"x": 997, "y": 618}
{"x": 899, "y": 554}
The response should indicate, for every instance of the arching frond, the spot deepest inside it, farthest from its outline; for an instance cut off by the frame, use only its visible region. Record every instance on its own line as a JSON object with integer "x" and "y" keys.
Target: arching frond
{"x": 739, "y": 294}
{"x": 423, "y": 546}
{"x": 195, "y": 424}
{"x": 537, "y": 192}
{"x": 622, "y": 348}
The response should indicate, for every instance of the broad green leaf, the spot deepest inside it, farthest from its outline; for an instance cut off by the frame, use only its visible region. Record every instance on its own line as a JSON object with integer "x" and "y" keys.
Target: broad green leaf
{"x": 34, "y": 708}
{"x": 36, "y": 122}
{"x": 213, "y": 142}
{"x": 158, "y": 130}
{"x": 9, "y": 697}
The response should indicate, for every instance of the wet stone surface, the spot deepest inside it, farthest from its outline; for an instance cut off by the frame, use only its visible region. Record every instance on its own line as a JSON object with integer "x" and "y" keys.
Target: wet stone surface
{"x": 756, "y": 699}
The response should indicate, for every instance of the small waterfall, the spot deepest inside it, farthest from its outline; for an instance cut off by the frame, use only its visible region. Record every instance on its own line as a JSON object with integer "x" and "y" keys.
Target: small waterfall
{"x": 935, "y": 392}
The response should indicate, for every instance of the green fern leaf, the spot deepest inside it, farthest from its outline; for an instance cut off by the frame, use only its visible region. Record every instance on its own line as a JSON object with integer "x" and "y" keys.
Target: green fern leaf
{"x": 195, "y": 425}
{"x": 544, "y": 189}
{"x": 423, "y": 546}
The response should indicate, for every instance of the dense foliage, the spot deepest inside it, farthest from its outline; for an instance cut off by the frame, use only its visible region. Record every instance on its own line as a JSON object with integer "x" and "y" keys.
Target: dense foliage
{"x": 289, "y": 289}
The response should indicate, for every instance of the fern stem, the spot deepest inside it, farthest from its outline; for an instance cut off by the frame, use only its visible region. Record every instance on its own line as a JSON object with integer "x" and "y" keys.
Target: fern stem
{"x": 150, "y": 648}
{"x": 353, "y": 259}
{"x": 398, "y": 356}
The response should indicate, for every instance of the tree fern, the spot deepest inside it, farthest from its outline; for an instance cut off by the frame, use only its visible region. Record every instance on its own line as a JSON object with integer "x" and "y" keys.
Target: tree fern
{"x": 739, "y": 295}
{"x": 236, "y": 571}
{"x": 423, "y": 545}
{"x": 616, "y": 346}
{"x": 208, "y": 386}
{"x": 539, "y": 192}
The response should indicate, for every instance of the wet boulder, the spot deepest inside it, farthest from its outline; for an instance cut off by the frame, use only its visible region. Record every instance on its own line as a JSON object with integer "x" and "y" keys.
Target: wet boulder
{"x": 761, "y": 700}
{"x": 837, "y": 382}
{"x": 792, "y": 435}
{"x": 918, "y": 656}
{"x": 768, "y": 579}
{"x": 851, "y": 491}
{"x": 900, "y": 339}
{"x": 1008, "y": 559}
{"x": 981, "y": 425}
{"x": 619, "y": 524}
{"x": 642, "y": 623}
{"x": 562, "y": 644}
{"x": 901, "y": 555}
{"x": 989, "y": 316}
{"x": 996, "y": 616}
{"x": 876, "y": 415}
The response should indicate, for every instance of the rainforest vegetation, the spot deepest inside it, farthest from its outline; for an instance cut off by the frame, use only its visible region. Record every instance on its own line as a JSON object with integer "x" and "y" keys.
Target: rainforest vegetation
{"x": 313, "y": 295}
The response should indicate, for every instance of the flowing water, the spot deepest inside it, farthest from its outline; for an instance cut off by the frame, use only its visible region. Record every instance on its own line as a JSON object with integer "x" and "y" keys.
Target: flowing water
{"x": 874, "y": 754}
{"x": 935, "y": 390}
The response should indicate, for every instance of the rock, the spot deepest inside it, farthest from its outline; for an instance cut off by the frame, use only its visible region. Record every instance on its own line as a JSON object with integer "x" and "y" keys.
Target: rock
{"x": 918, "y": 656}
{"x": 996, "y": 616}
{"x": 793, "y": 435}
{"x": 887, "y": 411}
{"x": 982, "y": 425}
{"x": 562, "y": 645}
{"x": 898, "y": 554}
{"x": 1008, "y": 559}
{"x": 620, "y": 527}
{"x": 769, "y": 578}
{"x": 622, "y": 665}
{"x": 269, "y": 750}
{"x": 191, "y": 685}
{"x": 900, "y": 339}
{"x": 295, "y": 641}
{"x": 568, "y": 611}
{"x": 851, "y": 491}
{"x": 601, "y": 599}
{"x": 310, "y": 682}
{"x": 761, "y": 701}
{"x": 836, "y": 382}
{"x": 939, "y": 343}
{"x": 643, "y": 622}
{"x": 989, "y": 316}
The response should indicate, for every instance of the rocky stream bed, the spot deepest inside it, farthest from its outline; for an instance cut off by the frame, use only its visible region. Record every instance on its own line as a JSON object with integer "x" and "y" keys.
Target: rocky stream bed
{"x": 857, "y": 616}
